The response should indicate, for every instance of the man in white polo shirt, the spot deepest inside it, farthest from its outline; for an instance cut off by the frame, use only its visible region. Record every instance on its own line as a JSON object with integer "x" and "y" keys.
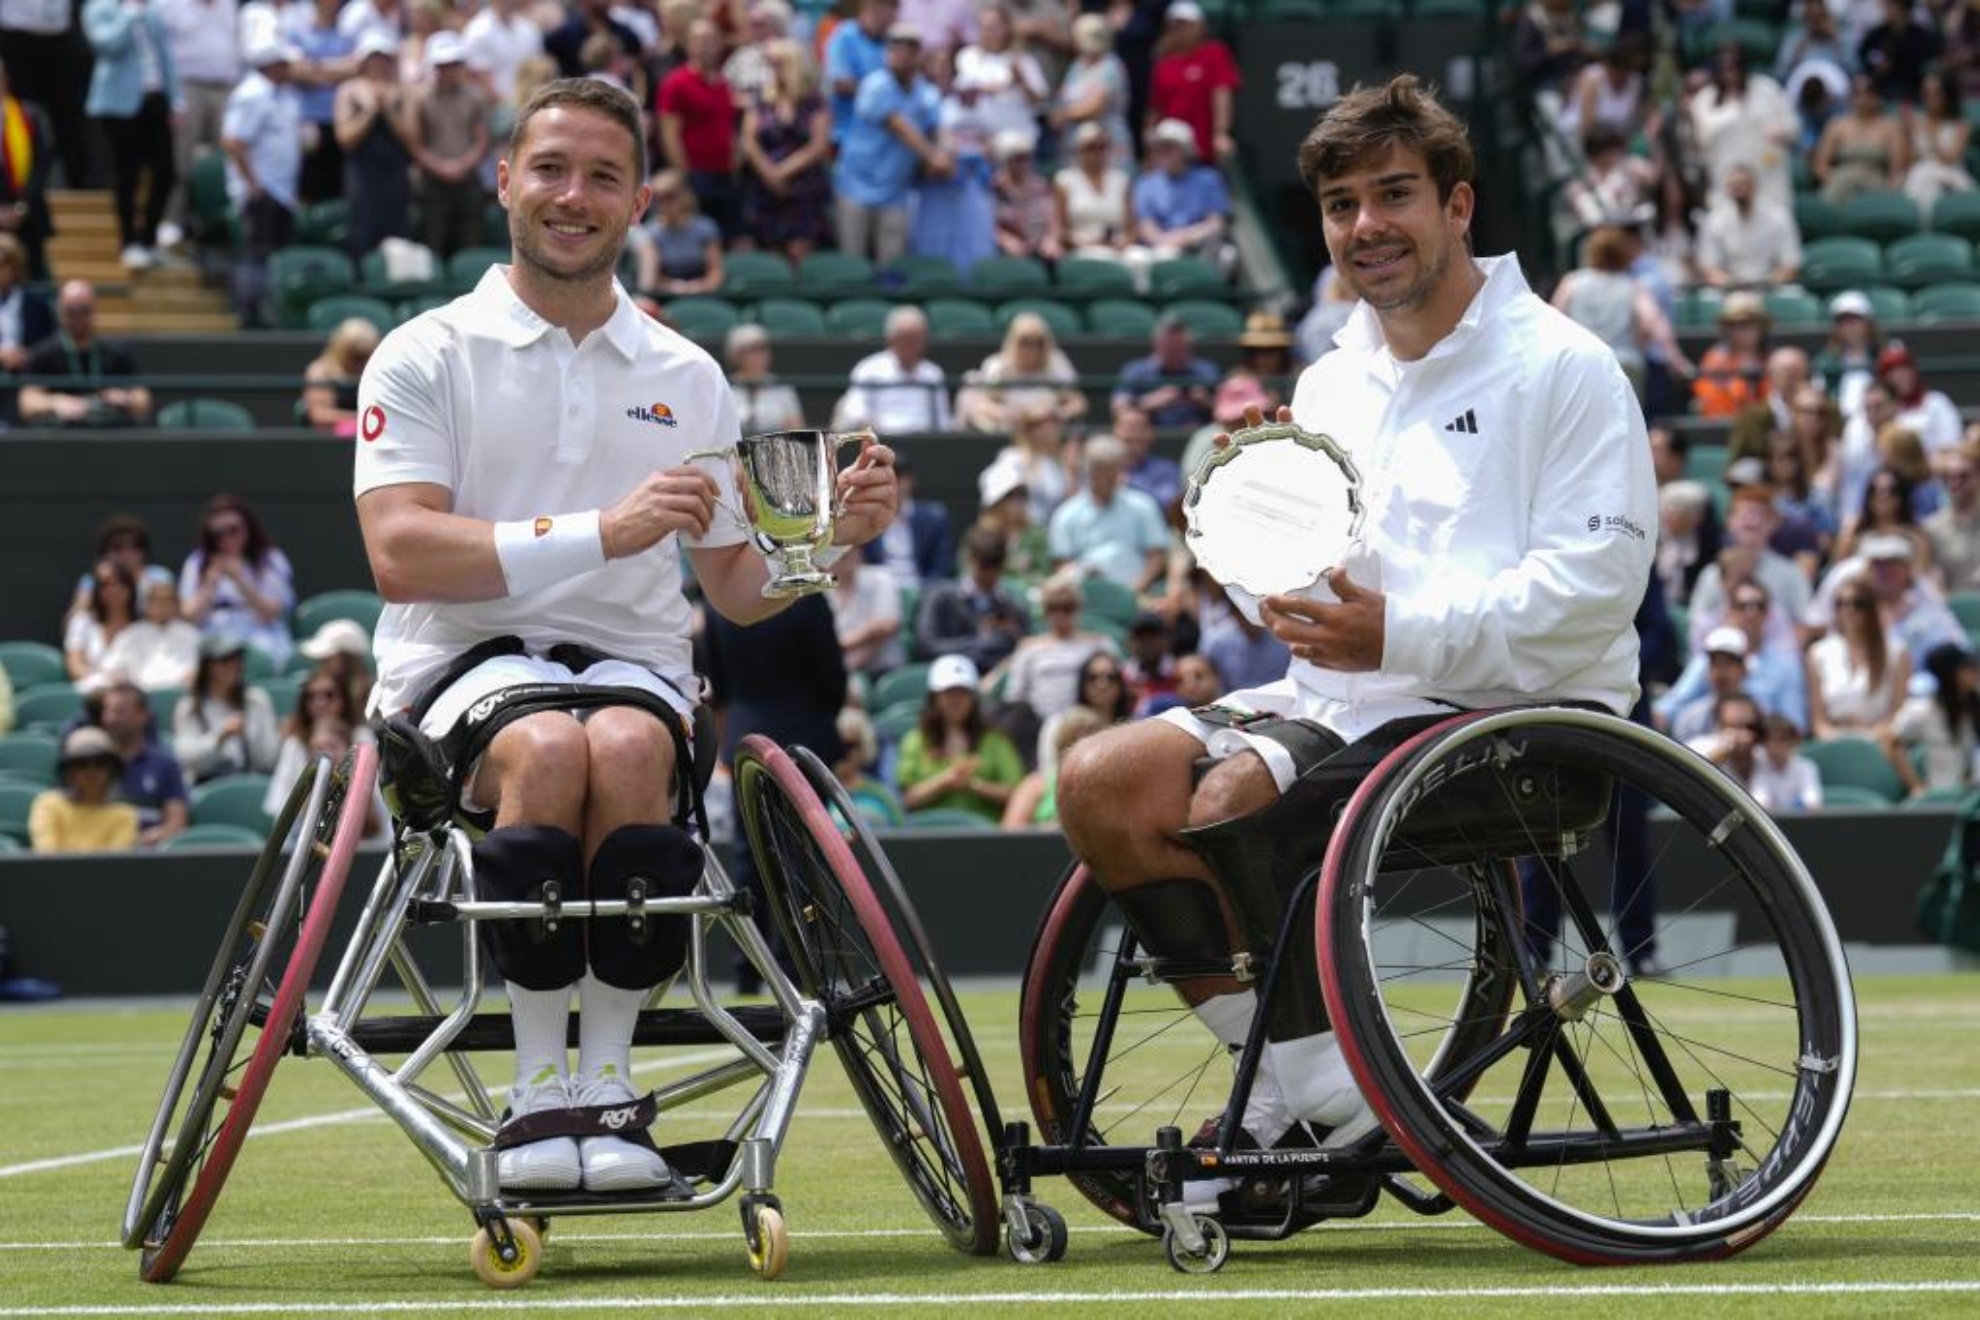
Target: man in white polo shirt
{"x": 524, "y": 494}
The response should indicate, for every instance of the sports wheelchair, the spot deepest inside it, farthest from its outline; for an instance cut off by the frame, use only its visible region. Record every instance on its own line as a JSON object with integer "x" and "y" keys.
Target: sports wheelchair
{"x": 853, "y": 983}
{"x": 1595, "y": 1115}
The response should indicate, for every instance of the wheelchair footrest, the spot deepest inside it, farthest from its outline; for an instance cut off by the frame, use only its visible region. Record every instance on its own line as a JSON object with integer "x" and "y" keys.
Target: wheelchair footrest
{"x": 495, "y": 1031}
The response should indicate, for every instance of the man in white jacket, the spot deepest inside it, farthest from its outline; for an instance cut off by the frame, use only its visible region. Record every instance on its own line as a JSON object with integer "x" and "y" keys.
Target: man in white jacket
{"x": 1508, "y": 539}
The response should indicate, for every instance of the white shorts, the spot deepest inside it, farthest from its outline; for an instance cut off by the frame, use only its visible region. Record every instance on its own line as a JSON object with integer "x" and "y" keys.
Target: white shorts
{"x": 1285, "y": 699}
{"x": 507, "y": 671}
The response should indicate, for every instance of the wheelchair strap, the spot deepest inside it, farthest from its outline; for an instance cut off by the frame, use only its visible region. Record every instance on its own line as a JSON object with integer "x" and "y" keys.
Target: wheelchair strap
{"x": 629, "y": 1120}
{"x": 1308, "y": 742}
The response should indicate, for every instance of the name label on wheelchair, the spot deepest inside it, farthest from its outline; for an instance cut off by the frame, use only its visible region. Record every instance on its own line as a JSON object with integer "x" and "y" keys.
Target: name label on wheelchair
{"x": 1269, "y": 1159}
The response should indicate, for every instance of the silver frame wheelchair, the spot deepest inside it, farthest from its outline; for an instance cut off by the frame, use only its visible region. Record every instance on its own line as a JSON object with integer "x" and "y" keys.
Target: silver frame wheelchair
{"x": 854, "y": 984}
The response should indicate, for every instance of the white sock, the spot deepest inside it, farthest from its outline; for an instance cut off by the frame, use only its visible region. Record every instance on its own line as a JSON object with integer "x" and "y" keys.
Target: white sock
{"x": 542, "y": 1019}
{"x": 1229, "y": 1019}
{"x": 1314, "y": 1079}
{"x": 606, "y": 1018}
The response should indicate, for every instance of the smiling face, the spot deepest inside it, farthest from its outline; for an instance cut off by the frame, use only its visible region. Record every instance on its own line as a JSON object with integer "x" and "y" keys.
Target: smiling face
{"x": 1393, "y": 242}
{"x": 572, "y": 191}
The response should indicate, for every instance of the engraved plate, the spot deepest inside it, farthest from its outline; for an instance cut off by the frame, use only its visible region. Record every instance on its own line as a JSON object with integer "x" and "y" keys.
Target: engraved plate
{"x": 1274, "y": 509}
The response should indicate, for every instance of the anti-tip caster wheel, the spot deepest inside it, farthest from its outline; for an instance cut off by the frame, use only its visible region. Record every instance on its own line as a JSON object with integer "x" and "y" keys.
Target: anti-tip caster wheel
{"x": 492, "y": 1270}
{"x": 1216, "y": 1248}
{"x": 1044, "y": 1238}
{"x": 768, "y": 1240}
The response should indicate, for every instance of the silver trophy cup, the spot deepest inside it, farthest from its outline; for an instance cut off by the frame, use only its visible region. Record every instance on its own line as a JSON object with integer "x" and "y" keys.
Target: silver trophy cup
{"x": 788, "y": 481}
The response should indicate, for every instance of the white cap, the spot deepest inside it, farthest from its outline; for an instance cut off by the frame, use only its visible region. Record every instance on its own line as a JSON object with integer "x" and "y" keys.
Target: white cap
{"x": 997, "y": 482}
{"x": 1885, "y": 545}
{"x": 952, "y": 671}
{"x": 272, "y": 52}
{"x": 1748, "y": 471}
{"x": 1176, "y": 131}
{"x": 1011, "y": 142}
{"x": 1726, "y": 640}
{"x": 445, "y": 48}
{"x": 1184, "y": 11}
{"x": 376, "y": 42}
{"x": 1852, "y": 303}
{"x": 338, "y": 637}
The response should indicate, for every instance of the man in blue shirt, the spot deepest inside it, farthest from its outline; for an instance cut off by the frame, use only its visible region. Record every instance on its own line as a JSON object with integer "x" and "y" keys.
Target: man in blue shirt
{"x": 854, "y": 50}
{"x": 152, "y": 781}
{"x": 1154, "y": 475}
{"x": 1172, "y": 385}
{"x": 262, "y": 136}
{"x": 891, "y": 136}
{"x": 1110, "y": 528}
{"x": 1181, "y": 208}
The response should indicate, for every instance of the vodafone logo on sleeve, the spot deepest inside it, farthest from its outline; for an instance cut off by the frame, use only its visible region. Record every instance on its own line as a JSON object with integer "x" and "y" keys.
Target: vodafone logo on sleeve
{"x": 372, "y": 424}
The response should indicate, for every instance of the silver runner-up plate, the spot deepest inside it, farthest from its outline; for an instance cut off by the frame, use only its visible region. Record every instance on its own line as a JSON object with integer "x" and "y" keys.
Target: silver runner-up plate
{"x": 1274, "y": 509}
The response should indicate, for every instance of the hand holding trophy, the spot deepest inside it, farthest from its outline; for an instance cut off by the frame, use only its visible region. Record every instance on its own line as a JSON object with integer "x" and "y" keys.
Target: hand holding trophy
{"x": 788, "y": 481}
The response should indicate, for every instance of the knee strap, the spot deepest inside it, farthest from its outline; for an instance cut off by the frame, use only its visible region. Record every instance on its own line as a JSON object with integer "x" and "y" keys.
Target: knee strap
{"x": 1176, "y": 919}
{"x": 655, "y": 861}
{"x": 514, "y": 865}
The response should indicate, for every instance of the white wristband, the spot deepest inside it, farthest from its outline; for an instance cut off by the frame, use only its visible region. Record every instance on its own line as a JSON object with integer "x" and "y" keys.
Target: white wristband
{"x": 540, "y": 552}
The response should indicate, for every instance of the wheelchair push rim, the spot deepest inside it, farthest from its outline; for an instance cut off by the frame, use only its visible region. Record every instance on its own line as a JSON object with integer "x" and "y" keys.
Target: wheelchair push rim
{"x": 1616, "y": 1119}
{"x": 848, "y": 956}
{"x": 259, "y": 978}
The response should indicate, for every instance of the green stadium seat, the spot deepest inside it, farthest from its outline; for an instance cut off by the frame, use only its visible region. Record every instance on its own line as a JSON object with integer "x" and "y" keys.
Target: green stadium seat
{"x": 1008, "y": 277}
{"x": 1295, "y": 11}
{"x": 863, "y": 318}
{"x": 946, "y": 818}
{"x": 1830, "y": 265}
{"x": 16, "y": 800}
{"x": 1093, "y": 278}
{"x": 1760, "y": 39}
{"x": 789, "y": 318}
{"x": 959, "y": 318}
{"x": 206, "y": 197}
{"x": 1965, "y": 606}
{"x": 164, "y": 703}
{"x": 255, "y": 663}
{"x": 1817, "y": 217}
{"x": 298, "y": 275}
{"x": 892, "y": 723}
{"x": 1206, "y": 319}
{"x": 748, "y": 275}
{"x": 214, "y": 834}
{"x": 324, "y": 224}
{"x": 379, "y": 280}
{"x": 907, "y": 683}
{"x": 1940, "y": 799}
{"x": 1957, "y": 213}
{"x": 1882, "y": 216}
{"x": 702, "y": 318}
{"x": 205, "y": 415}
{"x": 1853, "y": 796}
{"x": 495, "y": 225}
{"x": 1108, "y": 599}
{"x": 46, "y": 706}
{"x": 1119, "y": 318}
{"x": 1796, "y": 307}
{"x": 834, "y": 274}
{"x": 353, "y": 603}
{"x": 10, "y": 844}
{"x": 30, "y": 664}
{"x": 1065, "y": 321}
{"x": 1888, "y": 303}
{"x": 328, "y": 312}
{"x": 1185, "y": 277}
{"x": 32, "y": 754}
{"x": 1706, "y": 463}
{"x": 233, "y": 800}
{"x": 1947, "y": 302}
{"x": 281, "y": 690}
{"x": 1476, "y": 11}
{"x": 1699, "y": 308}
{"x": 1854, "y": 763}
{"x": 466, "y": 267}
{"x": 919, "y": 278}
{"x": 1918, "y": 260}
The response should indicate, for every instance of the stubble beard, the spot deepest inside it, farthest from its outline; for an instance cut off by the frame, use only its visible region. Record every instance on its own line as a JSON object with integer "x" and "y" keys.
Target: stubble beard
{"x": 530, "y": 254}
{"x": 1413, "y": 295}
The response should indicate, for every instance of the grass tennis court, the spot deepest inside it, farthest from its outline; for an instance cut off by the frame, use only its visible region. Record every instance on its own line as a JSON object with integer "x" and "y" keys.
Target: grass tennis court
{"x": 331, "y": 1211}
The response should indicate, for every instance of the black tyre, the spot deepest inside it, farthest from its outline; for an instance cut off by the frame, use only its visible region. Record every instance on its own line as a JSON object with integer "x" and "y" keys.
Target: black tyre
{"x": 1614, "y": 1119}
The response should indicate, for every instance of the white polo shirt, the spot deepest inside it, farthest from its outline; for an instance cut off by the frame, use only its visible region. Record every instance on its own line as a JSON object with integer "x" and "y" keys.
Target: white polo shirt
{"x": 488, "y": 399}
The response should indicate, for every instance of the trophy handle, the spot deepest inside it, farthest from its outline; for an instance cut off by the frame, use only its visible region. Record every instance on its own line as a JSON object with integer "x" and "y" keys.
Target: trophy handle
{"x": 727, "y": 454}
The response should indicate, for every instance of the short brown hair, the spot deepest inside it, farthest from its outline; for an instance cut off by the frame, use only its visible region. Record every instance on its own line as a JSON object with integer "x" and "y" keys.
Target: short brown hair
{"x": 1368, "y": 122}
{"x": 1608, "y": 249}
{"x": 588, "y": 94}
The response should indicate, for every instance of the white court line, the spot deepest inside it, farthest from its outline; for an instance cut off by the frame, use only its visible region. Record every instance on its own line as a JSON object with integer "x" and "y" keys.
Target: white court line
{"x": 784, "y": 1299}
{"x": 823, "y": 1234}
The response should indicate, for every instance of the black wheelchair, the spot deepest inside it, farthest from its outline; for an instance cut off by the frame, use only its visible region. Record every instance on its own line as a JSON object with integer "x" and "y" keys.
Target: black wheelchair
{"x": 852, "y": 983}
{"x": 1597, "y": 1116}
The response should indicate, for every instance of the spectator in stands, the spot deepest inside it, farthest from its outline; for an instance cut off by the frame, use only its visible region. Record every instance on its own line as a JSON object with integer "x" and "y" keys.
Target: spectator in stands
{"x": 1859, "y": 672}
{"x": 866, "y": 614}
{"x": 47, "y": 65}
{"x": 1245, "y": 653}
{"x": 1732, "y": 373}
{"x": 126, "y": 540}
{"x": 1151, "y": 663}
{"x": 1795, "y": 536}
{"x": 1937, "y": 732}
{"x": 565, "y": 42}
{"x": 1096, "y": 205}
{"x": 1549, "y": 48}
{"x": 1857, "y": 454}
{"x": 1954, "y": 531}
{"x": 1896, "y": 52}
{"x": 1848, "y": 360}
{"x": 1747, "y": 554}
{"x": 499, "y": 37}
{"x": 113, "y": 608}
{"x": 1607, "y": 94}
{"x": 978, "y": 615}
{"x": 945, "y": 25}
{"x": 786, "y": 141}
{"x": 747, "y": 67}
{"x": 330, "y": 381}
{"x": 1094, "y": 91}
{"x": 854, "y": 50}
{"x": 919, "y": 546}
{"x": 26, "y": 318}
{"x": 80, "y": 817}
{"x": 698, "y": 126}
{"x": 992, "y": 396}
{"x": 1889, "y": 509}
{"x": 1732, "y": 739}
{"x": 871, "y": 797}
{"x": 1155, "y": 475}
{"x": 360, "y": 18}
{"x": 24, "y": 217}
{"x": 1237, "y": 392}
{"x": 1694, "y": 717}
{"x": 1927, "y": 411}
{"x": 74, "y": 353}
{"x": 1783, "y": 780}
{"x": 1010, "y": 82}
{"x": 1617, "y": 186}
{"x": 678, "y": 249}
{"x": 332, "y": 737}
{"x": 763, "y": 402}
{"x": 953, "y": 759}
{"x": 1034, "y": 802}
{"x": 1770, "y": 669}
{"x": 341, "y": 648}
{"x": 1795, "y": 496}
{"x": 161, "y": 649}
{"x": 375, "y": 132}
{"x": 328, "y": 57}
{"x": 1005, "y": 509}
{"x": 1044, "y": 671}
{"x": 1195, "y": 82}
{"x": 1333, "y": 302}
{"x": 1109, "y": 528}
{"x": 1181, "y": 207}
{"x": 1814, "y": 38}
{"x": 1744, "y": 121}
{"x": 236, "y": 581}
{"x": 1172, "y": 385}
{"x": 1959, "y": 29}
{"x": 897, "y": 391}
{"x": 1938, "y": 133}
{"x": 222, "y": 726}
{"x": 1603, "y": 298}
{"x": 322, "y": 696}
{"x": 888, "y": 137}
{"x": 152, "y": 780}
{"x": 1687, "y": 537}
{"x": 1043, "y": 460}
{"x": 1103, "y": 689}
{"x": 1787, "y": 371}
{"x": 1028, "y": 223}
{"x": 955, "y": 208}
{"x": 262, "y": 136}
{"x": 449, "y": 121}
{"x": 1861, "y": 151}
{"x": 1747, "y": 241}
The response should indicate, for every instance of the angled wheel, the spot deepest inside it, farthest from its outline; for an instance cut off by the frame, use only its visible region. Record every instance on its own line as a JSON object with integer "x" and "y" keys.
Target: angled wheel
{"x": 258, "y": 981}
{"x": 1613, "y": 1119}
{"x": 526, "y": 1257}
{"x": 848, "y": 957}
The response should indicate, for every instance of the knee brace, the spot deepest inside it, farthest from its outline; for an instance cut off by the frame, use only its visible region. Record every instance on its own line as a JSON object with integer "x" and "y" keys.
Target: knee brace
{"x": 1176, "y": 919}
{"x": 514, "y": 865}
{"x": 653, "y": 861}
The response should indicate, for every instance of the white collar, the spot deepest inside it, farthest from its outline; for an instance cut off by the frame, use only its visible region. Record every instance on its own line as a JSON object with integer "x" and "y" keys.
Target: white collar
{"x": 515, "y": 324}
{"x": 1503, "y": 282}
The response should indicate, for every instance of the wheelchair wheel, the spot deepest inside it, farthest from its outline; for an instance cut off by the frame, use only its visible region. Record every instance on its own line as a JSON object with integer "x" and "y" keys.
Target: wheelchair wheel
{"x": 848, "y": 957}
{"x": 1615, "y": 1119}
{"x": 258, "y": 980}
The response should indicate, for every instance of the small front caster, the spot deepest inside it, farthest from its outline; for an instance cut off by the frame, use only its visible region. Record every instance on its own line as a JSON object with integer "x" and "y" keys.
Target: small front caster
{"x": 1216, "y": 1247}
{"x": 1044, "y": 1238}
{"x": 524, "y": 1258}
{"x": 768, "y": 1240}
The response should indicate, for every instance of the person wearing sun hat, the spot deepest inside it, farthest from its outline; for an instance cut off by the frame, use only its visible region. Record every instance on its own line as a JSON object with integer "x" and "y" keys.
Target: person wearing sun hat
{"x": 80, "y": 816}
{"x": 1731, "y": 374}
{"x": 261, "y": 134}
{"x": 952, "y": 759}
{"x": 1848, "y": 361}
{"x": 342, "y": 648}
